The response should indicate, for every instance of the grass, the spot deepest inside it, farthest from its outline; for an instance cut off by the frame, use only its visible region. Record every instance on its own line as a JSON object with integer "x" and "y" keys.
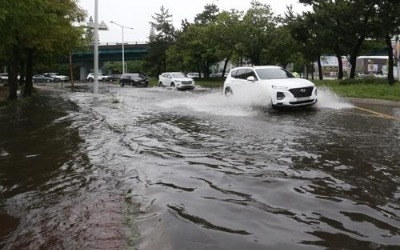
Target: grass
{"x": 363, "y": 88}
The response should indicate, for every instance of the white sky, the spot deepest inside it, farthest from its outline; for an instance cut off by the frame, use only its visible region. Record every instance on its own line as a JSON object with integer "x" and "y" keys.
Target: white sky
{"x": 138, "y": 14}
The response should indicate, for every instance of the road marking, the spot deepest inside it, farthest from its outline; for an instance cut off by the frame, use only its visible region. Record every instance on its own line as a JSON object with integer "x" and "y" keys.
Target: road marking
{"x": 386, "y": 116}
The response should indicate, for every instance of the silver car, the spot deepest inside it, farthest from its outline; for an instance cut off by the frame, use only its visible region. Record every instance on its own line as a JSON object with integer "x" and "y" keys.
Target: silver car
{"x": 176, "y": 80}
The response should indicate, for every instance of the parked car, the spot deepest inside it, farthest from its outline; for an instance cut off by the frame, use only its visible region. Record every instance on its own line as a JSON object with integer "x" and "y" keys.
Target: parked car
{"x": 193, "y": 75}
{"x": 134, "y": 79}
{"x": 57, "y": 77}
{"x": 42, "y": 78}
{"x": 177, "y": 80}
{"x": 3, "y": 77}
{"x": 100, "y": 77}
{"x": 115, "y": 77}
{"x": 275, "y": 85}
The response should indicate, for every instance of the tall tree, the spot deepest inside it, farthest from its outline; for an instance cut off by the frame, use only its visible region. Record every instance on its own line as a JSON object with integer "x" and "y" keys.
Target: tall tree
{"x": 33, "y": 27}
{"x": 224, "y": 32}
{"x": 195, "y": 48}
{"x": 257, "y": 26}
{"x": 388, "y": 26}
{"x": 163, "y": 36}
{"x": 354, "y": 21}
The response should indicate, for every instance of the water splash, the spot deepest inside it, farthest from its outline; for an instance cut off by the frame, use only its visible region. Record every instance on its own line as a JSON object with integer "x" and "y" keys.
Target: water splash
{"x": 242, "y": 104}
{"x": 214, "y": 103}
{"x": 328, "y": 99}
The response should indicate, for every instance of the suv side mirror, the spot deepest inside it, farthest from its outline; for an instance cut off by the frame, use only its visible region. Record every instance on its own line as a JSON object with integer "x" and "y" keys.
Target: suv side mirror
{"x": 251, "y": 79}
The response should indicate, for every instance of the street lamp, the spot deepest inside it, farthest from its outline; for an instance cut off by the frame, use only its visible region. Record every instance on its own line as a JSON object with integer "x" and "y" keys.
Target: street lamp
{"x": 398, "y": 57}
{"x": 123, "y": 52}
{"x": 96, "y": 48}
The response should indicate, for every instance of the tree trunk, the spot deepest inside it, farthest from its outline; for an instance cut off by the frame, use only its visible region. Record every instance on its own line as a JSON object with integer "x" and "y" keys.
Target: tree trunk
{"x": 28, "y": 80}
{"x": 321, "y": 76}
{"x": 13, "y": 75}
{"x": 71, "y": 72}
{"x": 390, "y": 55}
{"x": 340, "y": 66}
{"x": 225, "y": 66}
{"x": 353, "y": 57}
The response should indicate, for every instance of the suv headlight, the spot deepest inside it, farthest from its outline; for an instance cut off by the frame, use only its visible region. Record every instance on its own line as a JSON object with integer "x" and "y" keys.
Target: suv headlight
{"x": 279, "y": 87}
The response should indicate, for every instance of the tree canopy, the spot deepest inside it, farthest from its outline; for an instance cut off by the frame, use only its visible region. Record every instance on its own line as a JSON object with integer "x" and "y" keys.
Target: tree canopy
{"x": 257, "y": 36}
{"x": 31, "y": 29}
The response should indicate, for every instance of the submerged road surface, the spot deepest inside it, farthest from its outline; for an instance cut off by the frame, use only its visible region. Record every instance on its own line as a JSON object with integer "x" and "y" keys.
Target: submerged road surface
{"x": 156, "y": 168}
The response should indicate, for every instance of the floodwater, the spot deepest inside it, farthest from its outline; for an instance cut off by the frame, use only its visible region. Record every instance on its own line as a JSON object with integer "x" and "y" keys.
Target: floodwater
{"x": 157, "y": 168}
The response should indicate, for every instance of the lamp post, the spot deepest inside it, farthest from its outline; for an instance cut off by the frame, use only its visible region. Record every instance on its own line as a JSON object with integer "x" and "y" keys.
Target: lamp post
{"x": 398, "y": 57}
{"x": 96, "y": 28}
{"x": 96, "y": 48}
{"x": 123, "y": 51}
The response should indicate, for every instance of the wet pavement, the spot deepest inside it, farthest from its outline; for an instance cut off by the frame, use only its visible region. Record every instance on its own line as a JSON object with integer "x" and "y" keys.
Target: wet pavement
{"x": 156, "y": 168}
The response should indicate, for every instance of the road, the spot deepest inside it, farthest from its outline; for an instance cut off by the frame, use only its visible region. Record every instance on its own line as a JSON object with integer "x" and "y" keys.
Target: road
{"x": 156, "y": 168}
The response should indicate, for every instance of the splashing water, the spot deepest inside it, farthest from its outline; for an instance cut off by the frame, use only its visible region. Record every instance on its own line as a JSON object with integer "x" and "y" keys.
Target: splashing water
{"x": 242, "y": 104}
{"x": 215, "y": 103}
{"x": 328, "y": 99}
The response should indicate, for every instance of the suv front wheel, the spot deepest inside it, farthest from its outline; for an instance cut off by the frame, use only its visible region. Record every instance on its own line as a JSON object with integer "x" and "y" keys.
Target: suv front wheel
{"x": 228, "y": 92}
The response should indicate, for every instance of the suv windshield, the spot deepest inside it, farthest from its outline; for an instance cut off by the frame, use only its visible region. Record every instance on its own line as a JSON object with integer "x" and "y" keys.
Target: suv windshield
{"x": 273, "y": 73}
{"x": 178, "y": 75}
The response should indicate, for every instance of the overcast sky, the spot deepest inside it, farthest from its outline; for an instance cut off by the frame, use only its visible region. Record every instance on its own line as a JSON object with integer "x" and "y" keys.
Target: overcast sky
{"x": 138, "y": 14}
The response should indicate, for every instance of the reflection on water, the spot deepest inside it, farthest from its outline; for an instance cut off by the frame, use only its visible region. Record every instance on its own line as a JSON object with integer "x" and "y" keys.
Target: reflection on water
{"x": 163, "y": 169}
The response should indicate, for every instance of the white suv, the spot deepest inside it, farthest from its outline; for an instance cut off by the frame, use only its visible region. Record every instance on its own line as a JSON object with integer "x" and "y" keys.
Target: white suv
{"x": 271, "y": 85}
{"x": 100, "y": 77}
{"x": 176, "y": 80}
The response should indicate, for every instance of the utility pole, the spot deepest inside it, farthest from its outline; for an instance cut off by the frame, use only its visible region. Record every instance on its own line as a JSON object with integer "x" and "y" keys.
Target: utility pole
{"x": 96, "y": 48}
{"x": 398, "y": 58}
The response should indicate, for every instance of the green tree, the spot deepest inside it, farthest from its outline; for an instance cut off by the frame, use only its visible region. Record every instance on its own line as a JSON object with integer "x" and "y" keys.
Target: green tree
{"x": 303, "y": 31}
{"x": 256, "y": 31}
{"x": 353, "y": 22}
{"x": 162, "y": 36}
{"x": 26, "y": 32}
{"x": 387, "y": 26}
{"x": 195, "y": 48}
{"x": 283, "y": 48}
{"x": 224, "y": 32}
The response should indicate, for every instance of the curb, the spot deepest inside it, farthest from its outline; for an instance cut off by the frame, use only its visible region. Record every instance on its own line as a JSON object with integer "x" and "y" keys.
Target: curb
{"x": 373, "y": 101}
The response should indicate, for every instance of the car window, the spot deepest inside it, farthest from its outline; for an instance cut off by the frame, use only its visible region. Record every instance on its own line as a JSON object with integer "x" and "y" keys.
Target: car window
{"x": 250, "y": 72}
{"x": 273, "y": 73}
{"x": 178, "y": 75}
{"x": 233, "y": 73}
{"x": 241, "y": 74}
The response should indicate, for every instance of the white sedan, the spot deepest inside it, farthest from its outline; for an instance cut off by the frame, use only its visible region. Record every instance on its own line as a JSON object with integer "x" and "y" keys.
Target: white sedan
{"x": 271, "y": 85}
{"x": 176, "y": 80}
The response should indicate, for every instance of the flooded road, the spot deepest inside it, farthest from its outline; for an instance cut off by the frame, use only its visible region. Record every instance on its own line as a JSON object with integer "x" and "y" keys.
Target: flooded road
{"x": 157, "y": 168}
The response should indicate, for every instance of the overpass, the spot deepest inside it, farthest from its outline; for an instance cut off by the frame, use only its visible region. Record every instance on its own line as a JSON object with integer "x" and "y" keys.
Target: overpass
{"x": 108, "y": 53}
{"x": 112, "y": 52}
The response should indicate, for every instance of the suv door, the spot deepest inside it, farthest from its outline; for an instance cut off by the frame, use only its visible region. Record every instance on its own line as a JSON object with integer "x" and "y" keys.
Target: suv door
{"x": 168, "y": 80}
{"x": 239, "y": 82}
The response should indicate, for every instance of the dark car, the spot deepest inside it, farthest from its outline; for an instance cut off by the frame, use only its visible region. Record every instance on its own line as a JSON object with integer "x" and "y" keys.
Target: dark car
{"x": 134, "y": 79}
{"x": 42, "y": 78}
{"x": 115, "y": 77}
